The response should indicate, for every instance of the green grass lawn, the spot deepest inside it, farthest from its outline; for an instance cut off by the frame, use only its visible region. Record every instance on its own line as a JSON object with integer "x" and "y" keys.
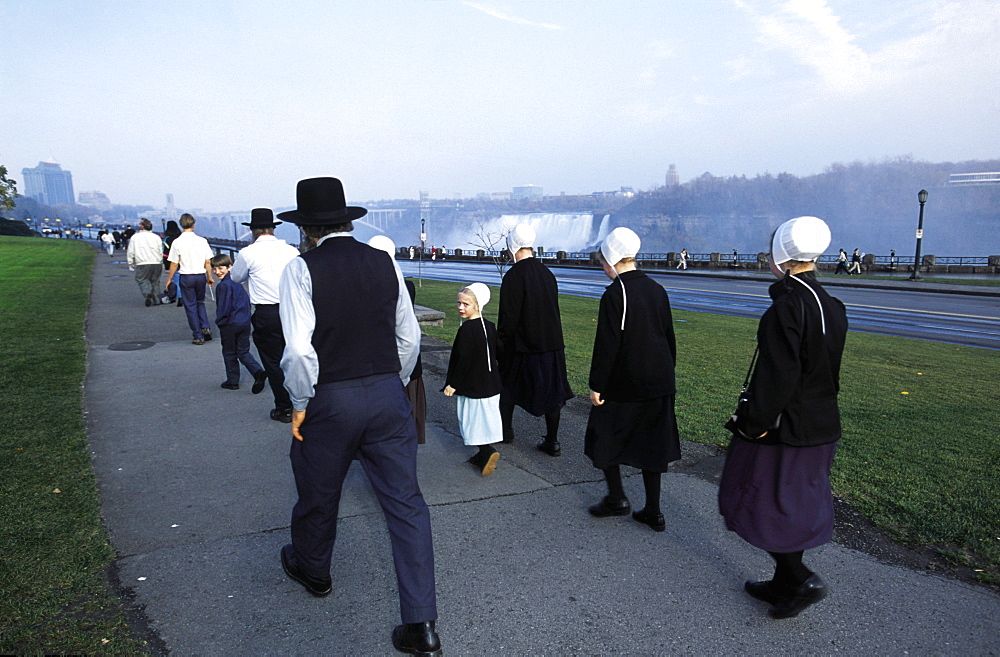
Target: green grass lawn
{"x": 920, "y": 449}
{"x": 928, "y": 278}
{"x": 55, "y": 551}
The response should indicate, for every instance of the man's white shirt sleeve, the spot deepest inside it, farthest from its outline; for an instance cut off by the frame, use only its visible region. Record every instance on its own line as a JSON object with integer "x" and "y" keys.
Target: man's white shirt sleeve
{"x": 407, "y": 330}
{"x": 299, "y": 362}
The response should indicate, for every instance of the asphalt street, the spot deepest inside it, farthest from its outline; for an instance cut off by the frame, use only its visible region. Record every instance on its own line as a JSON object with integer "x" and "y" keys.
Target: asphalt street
{"x": 196, "y": 492}
{"x": 958, "y": 314}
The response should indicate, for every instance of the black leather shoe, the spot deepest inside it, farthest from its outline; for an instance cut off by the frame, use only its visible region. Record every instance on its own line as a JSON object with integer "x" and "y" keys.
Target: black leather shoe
{"x": 281, "y": 415}
{"x": 180, "y": 303}
{"x": 655, "y": 521}
{"x": 206, "y": 334}
{"x": 610, "y": 506}
{"x": 767, "y": 591}
{"x": 417, "y": 639}
{"x": 149, "y": 300}
{"x": 230, "y": 386}
{"x": 550, "y": 447}
{"x": 259, "y": 379}
{"x": 318, "y": 587}
{"x": 805, "y": 594}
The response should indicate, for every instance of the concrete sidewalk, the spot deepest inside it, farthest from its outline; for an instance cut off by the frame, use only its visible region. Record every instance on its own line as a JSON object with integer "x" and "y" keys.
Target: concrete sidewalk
{"x": 197, "y": 492}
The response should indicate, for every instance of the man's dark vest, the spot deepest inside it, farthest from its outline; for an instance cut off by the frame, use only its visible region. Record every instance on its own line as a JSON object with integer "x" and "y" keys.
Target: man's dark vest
{"x": 354, "y": 294}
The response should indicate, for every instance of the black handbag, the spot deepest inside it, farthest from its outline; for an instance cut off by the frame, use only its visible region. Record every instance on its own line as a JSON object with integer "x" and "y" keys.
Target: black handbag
{"x": 744, "y": 397}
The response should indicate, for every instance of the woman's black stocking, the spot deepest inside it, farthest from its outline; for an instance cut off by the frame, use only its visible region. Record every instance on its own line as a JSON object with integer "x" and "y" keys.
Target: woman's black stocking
{"x": 613, "y": 475}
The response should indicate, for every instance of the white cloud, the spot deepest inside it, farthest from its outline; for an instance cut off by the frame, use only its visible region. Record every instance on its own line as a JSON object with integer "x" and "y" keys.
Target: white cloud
{"x": 658, "y": 53}
{"x": 812, "y": 34}
{"x": 512, "y": 19}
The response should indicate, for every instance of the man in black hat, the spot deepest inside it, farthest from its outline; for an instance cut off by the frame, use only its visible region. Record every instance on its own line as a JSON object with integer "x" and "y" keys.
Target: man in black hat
{"x": 351, "y": 342}
{"x": 261, "y": 263}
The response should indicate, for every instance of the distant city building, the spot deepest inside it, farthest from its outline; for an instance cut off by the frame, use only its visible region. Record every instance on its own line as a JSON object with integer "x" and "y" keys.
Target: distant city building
{"x": 526, "y": 191}
{"x": 95, "y": 199}
{"x": 500, "y": 196}
{"x": 48, "y": 184}
{"x": 961, "y": 179}
{"x": 673, "y": 179}
{"x": 170, "y": 212}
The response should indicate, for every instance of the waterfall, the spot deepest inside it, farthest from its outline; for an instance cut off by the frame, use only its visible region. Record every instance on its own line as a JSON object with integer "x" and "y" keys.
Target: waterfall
{"x": 556, "y": 231}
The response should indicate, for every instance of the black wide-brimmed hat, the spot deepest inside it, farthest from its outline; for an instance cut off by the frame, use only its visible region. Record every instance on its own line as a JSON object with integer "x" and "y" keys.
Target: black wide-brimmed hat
{"x": 262, "y": 218}
{"x": 321, "y": 203}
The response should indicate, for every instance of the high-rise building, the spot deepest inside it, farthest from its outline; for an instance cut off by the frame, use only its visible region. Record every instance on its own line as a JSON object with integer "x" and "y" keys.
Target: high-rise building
{"x": 673, "y": 179}
{"x": 48, "y": 184}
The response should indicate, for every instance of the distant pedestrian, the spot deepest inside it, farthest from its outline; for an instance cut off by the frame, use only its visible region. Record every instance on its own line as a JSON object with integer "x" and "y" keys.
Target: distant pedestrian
{"x": 842, "y": 263}
{"x": 260, "y": 265}
{"x": 412, "y": 252}
{"x": 892, "y": 260}
{"x": 127, "y": 235}
{"x": 775, "y": 487}
{"x": 533, "y": 356}
{"x": 145, "y": 256}
{"x": 632, "y": 383}
{"x": 855, "y": 267}
{"x": 474, "y": 378}
{"x": 232, "y": 316}
{"x": 109, "y": 243}
{"x": 190, "y": 258}
{"x": 173, "y": 291}
{"x": 117, "y": 236}
{"x": 682, "y": 262}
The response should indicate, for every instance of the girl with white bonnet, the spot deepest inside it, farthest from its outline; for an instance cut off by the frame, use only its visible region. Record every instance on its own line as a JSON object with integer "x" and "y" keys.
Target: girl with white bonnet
{"x": 775, "y": 486}
{"x": 632, "y": 382}
{"x": 474, "y": 378}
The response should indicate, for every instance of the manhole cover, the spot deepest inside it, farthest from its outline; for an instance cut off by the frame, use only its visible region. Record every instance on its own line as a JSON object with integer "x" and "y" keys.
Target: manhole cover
{"x": 130, "y": 346}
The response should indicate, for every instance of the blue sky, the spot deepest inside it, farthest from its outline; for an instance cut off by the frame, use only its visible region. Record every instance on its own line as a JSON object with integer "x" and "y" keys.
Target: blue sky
{"x": 227, "y": 104}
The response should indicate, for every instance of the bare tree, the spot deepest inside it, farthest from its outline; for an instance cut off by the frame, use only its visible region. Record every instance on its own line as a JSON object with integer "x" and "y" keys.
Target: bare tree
{"x": 491, "y": 239}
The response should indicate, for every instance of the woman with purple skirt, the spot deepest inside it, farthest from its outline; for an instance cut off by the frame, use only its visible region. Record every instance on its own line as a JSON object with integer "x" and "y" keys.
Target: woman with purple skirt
{"x": 775, "y": 487}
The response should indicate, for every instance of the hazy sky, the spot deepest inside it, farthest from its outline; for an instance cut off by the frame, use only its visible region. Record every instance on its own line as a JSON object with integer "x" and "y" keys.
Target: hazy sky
{"x": 228, "y": 104}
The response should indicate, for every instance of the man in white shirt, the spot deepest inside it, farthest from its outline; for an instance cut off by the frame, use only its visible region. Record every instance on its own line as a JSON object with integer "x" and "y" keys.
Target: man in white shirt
{"x": 145, "y": 256}
{"x": 191, "y": 258}
{"x": 260, "y": 264}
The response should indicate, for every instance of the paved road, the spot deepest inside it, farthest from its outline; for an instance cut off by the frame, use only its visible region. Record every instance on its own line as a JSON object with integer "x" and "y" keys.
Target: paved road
{"x": 888, "y": 307}
{"x": 196, "y": 493}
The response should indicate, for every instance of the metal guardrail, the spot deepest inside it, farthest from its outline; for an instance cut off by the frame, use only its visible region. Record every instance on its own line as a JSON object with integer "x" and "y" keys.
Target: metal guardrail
{"x": 721, "y": 259}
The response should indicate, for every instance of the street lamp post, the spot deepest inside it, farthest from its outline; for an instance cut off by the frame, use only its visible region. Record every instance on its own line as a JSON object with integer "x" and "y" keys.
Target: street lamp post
{"x": 922, "y": 197}
{"x": 420, "y": 261}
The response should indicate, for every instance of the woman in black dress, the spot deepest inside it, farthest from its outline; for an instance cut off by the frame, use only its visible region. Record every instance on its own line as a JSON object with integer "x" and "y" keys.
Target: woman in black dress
{"x": 775, "y": 487}
{"x": 632, "y": 382}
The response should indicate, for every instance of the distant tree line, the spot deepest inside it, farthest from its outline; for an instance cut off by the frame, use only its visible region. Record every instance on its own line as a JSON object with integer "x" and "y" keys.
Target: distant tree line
{"x": 871, "y": 206}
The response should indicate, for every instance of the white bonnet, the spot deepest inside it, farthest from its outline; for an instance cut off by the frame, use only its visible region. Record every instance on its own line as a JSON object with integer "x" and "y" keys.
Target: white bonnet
{"x": 620, "y": 243}
{"x": 383, "y": 243}
{"x": 521, "y": 236}
{"x": 802, "y": 238}
{"x": 481, "y": 292}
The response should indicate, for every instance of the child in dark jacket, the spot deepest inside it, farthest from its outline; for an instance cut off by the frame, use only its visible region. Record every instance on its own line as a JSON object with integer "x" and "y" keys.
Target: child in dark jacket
{"x": 474, "y": 378}
{"x": 232, "y": 304}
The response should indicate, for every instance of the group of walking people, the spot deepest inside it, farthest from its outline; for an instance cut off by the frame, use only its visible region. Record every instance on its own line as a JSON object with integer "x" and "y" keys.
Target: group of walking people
{"x": 344, "y": 378}
{"x": 852, "y": 266}
{"x": 775, "y": 490}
